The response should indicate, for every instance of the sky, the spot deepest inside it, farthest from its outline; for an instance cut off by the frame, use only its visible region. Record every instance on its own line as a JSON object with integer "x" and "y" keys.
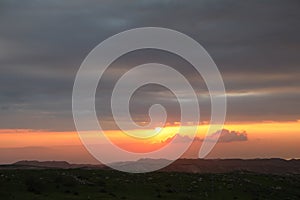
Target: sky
{"x": 255, "y": 45}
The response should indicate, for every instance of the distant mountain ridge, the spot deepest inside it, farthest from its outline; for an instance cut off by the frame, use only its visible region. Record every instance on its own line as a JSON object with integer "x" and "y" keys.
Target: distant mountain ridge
{"x": 272, "y": 166}
{"x": 34, "y": 164}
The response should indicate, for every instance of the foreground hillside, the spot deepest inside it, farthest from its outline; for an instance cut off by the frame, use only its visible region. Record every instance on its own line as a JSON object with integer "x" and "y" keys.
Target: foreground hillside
{"x": 108, "y": 184}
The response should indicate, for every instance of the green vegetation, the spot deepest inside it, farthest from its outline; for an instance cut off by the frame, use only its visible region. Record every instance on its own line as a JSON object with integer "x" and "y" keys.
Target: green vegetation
{"x": 106, "y": 184}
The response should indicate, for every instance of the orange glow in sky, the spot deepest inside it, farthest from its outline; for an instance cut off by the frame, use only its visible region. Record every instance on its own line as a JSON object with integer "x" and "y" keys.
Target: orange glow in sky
{"x": 284, "y": 133}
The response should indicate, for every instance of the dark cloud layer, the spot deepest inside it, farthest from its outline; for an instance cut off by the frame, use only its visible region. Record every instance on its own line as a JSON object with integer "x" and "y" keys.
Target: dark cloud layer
{"x": 255, "y": 44}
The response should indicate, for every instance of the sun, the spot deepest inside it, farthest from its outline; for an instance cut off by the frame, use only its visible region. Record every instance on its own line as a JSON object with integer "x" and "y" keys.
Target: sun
{"x": 158, "y": 129}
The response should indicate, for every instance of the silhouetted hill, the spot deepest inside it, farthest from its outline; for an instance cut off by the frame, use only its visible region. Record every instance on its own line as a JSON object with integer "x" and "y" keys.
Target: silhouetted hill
{"x": 270, "y": 166}
{"x": 25, "y": 164}
{"x": 47, "y": 164}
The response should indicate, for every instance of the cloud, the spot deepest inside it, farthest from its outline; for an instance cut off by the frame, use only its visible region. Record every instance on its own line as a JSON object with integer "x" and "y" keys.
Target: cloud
{"x": 222, "y": 136}
{"x": 229, "y": 136}
{"x": 179, "y": 139}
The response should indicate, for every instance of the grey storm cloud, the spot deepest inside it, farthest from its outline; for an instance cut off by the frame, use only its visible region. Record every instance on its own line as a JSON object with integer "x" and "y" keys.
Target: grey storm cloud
{"x": 255, "y": 44}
